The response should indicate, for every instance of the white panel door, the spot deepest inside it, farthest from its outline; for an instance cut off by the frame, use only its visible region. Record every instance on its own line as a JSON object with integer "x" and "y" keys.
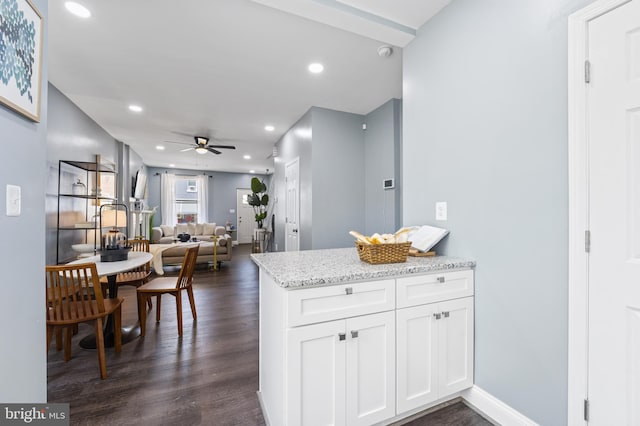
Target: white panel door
{"x": 316, "y": 375}
{"x": 614, "y": 217}
{"x": 292, "y": 206}
{"x": 371, "y": 377}
{"x": 417, "y": 356}
{"x": 245, "y": 216}
{"x": 455, "y": 345}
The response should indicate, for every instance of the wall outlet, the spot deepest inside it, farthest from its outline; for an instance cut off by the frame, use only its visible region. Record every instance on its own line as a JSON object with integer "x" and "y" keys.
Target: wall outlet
{"x": 441, "y": 210}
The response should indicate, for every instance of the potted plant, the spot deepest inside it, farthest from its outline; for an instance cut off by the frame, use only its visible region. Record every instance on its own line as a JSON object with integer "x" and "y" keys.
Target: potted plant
{"x": 259, "y": 200}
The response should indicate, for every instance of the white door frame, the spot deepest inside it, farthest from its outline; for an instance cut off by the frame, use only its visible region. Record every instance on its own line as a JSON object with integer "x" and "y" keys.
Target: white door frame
{"x": 579, "y": 206}
{"x": 286, "y": 191}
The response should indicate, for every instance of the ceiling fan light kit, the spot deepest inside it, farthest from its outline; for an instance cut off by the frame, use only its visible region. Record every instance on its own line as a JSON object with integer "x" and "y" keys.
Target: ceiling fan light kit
{"x": 202, "y": 146}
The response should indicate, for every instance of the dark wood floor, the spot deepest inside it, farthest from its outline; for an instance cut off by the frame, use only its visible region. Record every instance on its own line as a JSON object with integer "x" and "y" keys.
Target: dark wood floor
{"x": 209, "y": 377}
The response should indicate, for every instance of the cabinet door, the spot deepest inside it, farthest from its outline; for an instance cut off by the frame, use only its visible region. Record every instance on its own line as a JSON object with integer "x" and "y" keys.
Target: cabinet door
{"x": 455, "y": 343}
{"x": 315, "y": 369}
{"x": 371, "y": 373}
{"x": 417, "y": 357}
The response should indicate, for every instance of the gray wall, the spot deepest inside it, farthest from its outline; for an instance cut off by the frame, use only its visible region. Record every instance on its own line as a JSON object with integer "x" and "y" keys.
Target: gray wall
{"x": 296, "y": 143}
{"x": 338, "y": 177}
{"x": 337, "y": 161}
{"x": 71, "y": 135}
{"x": 485, "y": 129}
{"x": 23, "y": 371}
{"x": 222, "y": 192}
{"x": 382, "y": 161}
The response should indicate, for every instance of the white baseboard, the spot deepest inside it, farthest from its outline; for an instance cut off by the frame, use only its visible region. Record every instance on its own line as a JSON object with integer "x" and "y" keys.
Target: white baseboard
{"x": 495, "y": 409}
{"x": 262, "y": 408}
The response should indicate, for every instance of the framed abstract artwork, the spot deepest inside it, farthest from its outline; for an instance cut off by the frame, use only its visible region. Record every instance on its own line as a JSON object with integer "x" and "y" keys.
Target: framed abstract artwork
{"x": 21, "y": 28}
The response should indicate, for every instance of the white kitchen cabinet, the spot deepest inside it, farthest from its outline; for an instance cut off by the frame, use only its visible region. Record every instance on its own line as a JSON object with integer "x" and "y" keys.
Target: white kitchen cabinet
{"x": 371, "y": 368}
{"x": 367, "y": 349}
{"x": 341, "y": 372}
{"x": 434, "y": 351}
{"x": 316, "y": 367}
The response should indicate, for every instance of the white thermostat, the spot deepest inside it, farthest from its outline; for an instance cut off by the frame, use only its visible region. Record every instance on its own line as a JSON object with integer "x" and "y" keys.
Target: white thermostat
{"x": 387, "y": 184}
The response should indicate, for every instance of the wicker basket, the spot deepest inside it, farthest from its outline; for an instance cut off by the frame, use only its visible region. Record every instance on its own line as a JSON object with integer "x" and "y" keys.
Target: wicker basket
{"x": 383, "y": 253}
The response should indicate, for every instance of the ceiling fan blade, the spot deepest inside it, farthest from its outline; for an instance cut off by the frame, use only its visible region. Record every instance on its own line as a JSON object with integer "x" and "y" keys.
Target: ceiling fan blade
{"x": 215, "y": 151}
{"x": 186, "y": 149}
{"x": 222, "y": 146}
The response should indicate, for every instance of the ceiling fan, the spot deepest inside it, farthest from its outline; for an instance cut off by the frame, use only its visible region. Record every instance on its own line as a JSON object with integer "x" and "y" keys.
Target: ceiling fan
{"x": 202, "y": 146}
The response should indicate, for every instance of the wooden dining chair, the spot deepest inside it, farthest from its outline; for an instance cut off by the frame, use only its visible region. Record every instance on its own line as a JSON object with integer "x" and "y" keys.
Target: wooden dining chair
{"x": 135, "y": 277}
{"x": 74, "y": 295}
{"x": 168, "y": 285}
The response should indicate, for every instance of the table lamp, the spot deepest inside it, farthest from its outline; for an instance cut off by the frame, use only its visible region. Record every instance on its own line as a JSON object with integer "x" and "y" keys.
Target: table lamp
{"x": 113, "y": 242}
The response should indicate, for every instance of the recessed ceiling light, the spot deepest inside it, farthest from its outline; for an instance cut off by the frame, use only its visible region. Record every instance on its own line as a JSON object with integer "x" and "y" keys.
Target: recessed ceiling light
{"x": 316, "y": 68}
{"x": 252, "y": 171}
{"x": 160, "y": 147}
{"x": 77, "y": 9}
{"x": 135, "y": 108}
{"x": 247, "y": 157}
{"x": 269, "y": 128}
{"x": 172, "y": 165}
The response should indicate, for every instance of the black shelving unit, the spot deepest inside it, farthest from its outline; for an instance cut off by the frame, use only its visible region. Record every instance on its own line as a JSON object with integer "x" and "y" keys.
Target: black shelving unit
{"x": 77, "y": 209}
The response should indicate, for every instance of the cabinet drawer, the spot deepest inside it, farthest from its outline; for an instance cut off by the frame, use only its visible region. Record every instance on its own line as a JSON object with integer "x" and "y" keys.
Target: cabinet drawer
{"x": 311, "y": 305}
{"x": 418, "y": 290}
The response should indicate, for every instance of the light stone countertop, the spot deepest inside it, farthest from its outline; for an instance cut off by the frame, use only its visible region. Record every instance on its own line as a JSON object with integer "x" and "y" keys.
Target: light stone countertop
{"x": 336, "y": 266}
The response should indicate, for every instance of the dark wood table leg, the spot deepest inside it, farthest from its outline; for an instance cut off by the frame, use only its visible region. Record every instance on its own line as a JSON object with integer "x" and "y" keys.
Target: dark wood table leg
{"x": 128, "y": 333}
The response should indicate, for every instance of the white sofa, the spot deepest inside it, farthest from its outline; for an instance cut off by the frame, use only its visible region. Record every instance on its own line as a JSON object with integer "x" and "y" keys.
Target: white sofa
{"x": 165, "y": 234}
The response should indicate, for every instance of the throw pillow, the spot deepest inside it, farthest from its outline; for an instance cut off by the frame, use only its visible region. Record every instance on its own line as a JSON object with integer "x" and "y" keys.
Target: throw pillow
{"x": 222, "y": 242}
{"x": 167, "y": 230}
{"x": 199, "y": 230}
{"x": 191, "y": 229}
{"x": 208, "y": 228}
{"x": 182, "y": 228}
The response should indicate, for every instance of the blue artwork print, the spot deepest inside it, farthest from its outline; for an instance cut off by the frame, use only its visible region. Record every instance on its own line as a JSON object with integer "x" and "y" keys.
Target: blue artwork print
{"x": 17, "y": 48}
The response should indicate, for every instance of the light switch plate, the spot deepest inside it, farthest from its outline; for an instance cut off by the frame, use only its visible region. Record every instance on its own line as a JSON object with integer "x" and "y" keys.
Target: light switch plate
{"x": 441, "y": 210}
{"x": 13, "y": 200}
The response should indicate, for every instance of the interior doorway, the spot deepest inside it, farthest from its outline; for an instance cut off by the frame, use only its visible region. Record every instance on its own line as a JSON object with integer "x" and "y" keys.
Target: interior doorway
{"x": 604, "y": 208}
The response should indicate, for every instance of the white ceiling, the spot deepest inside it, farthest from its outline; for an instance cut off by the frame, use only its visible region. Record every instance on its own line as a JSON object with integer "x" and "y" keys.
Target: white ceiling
{"x": 224, "y": 68}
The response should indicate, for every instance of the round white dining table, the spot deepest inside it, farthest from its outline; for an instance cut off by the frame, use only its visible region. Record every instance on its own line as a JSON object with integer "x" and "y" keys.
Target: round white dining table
{"x": 111, "y": 271}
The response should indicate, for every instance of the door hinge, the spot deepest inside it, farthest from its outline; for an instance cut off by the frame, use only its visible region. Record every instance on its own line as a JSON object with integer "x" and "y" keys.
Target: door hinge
{"x": 587, "y": 71}
{"x": 586, "y": 410}
{"x": 587, "y": 241}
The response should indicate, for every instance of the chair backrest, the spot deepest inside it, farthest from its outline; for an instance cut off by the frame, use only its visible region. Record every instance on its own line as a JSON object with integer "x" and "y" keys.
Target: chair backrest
{"x": 140, "y": 245}
{"x": 188, "y": 265}
{"x": 73, "y": 292}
